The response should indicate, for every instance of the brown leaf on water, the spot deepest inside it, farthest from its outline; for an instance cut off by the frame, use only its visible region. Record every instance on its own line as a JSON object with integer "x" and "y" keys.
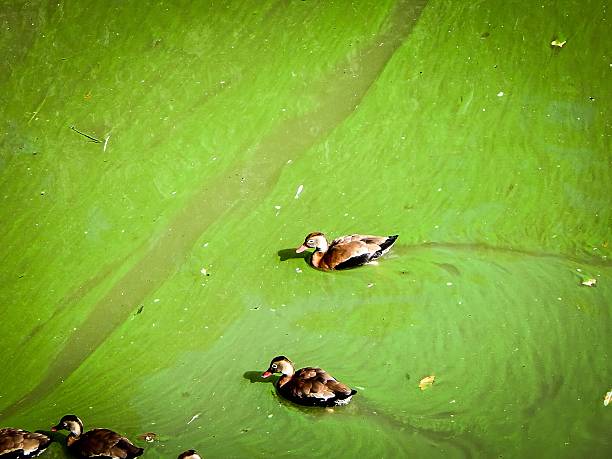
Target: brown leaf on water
{"x": 148, "y": 437}
{"x": 426, "y": 382}
{"x": 589, "y": 282}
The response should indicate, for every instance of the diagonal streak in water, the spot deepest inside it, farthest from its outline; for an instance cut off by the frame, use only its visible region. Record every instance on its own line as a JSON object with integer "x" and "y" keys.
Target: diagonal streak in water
{"x": 339, "y": 96}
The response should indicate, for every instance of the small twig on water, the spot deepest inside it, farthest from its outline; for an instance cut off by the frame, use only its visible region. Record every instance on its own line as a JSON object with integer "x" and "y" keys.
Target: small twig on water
{"x": 85, "y": 135}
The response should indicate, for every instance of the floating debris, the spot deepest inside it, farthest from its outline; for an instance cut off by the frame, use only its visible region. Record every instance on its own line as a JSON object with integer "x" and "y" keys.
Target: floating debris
{"x": 589, "y": 282}
{"x": 426, "y": 382}
{"x": 557, "y": 43}
{"x": 298, "y": 270}
{"x": 608, "y": 398}
{"x": 106, "y": 142}
{"x": 500, "y": 93}
{"x": 148, "y": 437}
{"x": 194, "y": 417}
{"x": 204, "y": 272}
{"x": 93, "y": 139}
{"x": 299, "y": 191}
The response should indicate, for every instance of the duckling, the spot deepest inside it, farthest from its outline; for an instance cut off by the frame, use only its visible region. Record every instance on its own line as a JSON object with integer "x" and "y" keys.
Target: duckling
{"x": 346, "y": 251}
{"x": 18, "y": 444}
{"x": 191, "y": 454}
{"x": 96, "y": 442}
{"x": 308, "y": 386}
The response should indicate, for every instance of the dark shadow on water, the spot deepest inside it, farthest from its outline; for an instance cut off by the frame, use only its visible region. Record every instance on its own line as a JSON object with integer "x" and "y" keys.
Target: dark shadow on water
{"x": 287, "y": 254}
{"x": 59, "y": 438}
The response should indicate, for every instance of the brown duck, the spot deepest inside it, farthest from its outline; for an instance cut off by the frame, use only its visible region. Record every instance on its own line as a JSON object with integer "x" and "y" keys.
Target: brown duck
{"x": 346, "y": 251}
{"x": 308, "y": 386}
{"x": 18, "y": 444}
{"x": 191, "y": 454}
{"x": 96, "y": 442}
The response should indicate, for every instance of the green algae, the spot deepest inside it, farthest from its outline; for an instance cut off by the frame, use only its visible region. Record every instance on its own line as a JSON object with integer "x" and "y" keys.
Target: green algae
{"x": 464, "y": 132}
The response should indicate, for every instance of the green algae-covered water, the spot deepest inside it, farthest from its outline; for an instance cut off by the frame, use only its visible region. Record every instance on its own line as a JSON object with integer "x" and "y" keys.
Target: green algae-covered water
{"x": 147, "y": 277}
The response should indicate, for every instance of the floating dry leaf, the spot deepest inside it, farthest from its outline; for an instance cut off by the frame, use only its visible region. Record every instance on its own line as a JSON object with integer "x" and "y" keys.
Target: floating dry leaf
{"x": 608, "y": 398}
{"x": 557, "y": 43}
{"x": 148, "y": 436}
{"x": 426, "y": 382}
{"x": 589, "y": 282}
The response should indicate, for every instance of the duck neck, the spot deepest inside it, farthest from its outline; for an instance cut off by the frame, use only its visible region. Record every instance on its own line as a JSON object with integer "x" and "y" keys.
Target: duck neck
{"x": 71, "y": 439}
{"x": 75, "y": 428}
{"x": 323, "y": 246}
{"x": 284, "y": 379}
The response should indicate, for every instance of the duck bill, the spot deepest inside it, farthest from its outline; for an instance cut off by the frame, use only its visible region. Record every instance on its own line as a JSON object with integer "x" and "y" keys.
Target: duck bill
{"x": 300, "y": 249}
{"x": 266, "y": 374}
{"x": 55, "y": 428}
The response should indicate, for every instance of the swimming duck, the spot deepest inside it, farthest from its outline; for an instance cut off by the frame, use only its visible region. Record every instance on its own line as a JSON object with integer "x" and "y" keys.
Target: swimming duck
{"x": 308, "y": 386}
{"x": 191, "y": 454}
{"x": 18, "y": 444}
{"x": 346, "y": 251}
{"x": 96, "y": 442}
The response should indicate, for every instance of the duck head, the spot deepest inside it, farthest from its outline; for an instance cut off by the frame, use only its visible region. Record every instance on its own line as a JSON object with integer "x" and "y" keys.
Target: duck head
{"x": 191, "y": 454}
{"x": 315, "y": 241}
{"x": 71, "y": 423}
{"x": 280, "y": 364}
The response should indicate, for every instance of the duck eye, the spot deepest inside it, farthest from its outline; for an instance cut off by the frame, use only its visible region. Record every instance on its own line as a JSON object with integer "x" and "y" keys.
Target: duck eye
{"x": 273, "y": 365}
{"x": 311, "y": 241}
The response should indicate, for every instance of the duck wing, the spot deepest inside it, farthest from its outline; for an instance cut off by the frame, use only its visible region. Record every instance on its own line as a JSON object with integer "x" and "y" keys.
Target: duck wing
{"x": 105, "y": 442}
{"x": 21, "y": 443}
{"x": 358, "y": 237}
{"x": 314, "y": 386}
{"x": 356, "y": 250}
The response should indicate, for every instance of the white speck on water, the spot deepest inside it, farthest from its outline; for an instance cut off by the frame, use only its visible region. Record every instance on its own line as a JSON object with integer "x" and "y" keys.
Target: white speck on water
{"x": 439, "y": 189}
{"x": 500, "y": 93}
{"x": 194, "y": 417}
{"x": 298, "y": 270}
{"x": 270, "y": 415}
{"x": 205, "y": 244}
{"x": 299, "y": 191}
{"x": 370, "y": 285}
{"x": 203, "y": 271}
{"x": 449, "y": 284}
{"x": 156, "y": 300}
{"x": 277, "y": 207}
{"x": 106, "y": 142}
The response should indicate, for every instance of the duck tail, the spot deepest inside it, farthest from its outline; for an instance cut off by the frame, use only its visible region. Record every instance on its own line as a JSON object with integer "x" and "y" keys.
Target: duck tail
{"x": 389, "y": 242}
{"x": 385, "y": 246}
{"x": 131, "y": 450}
